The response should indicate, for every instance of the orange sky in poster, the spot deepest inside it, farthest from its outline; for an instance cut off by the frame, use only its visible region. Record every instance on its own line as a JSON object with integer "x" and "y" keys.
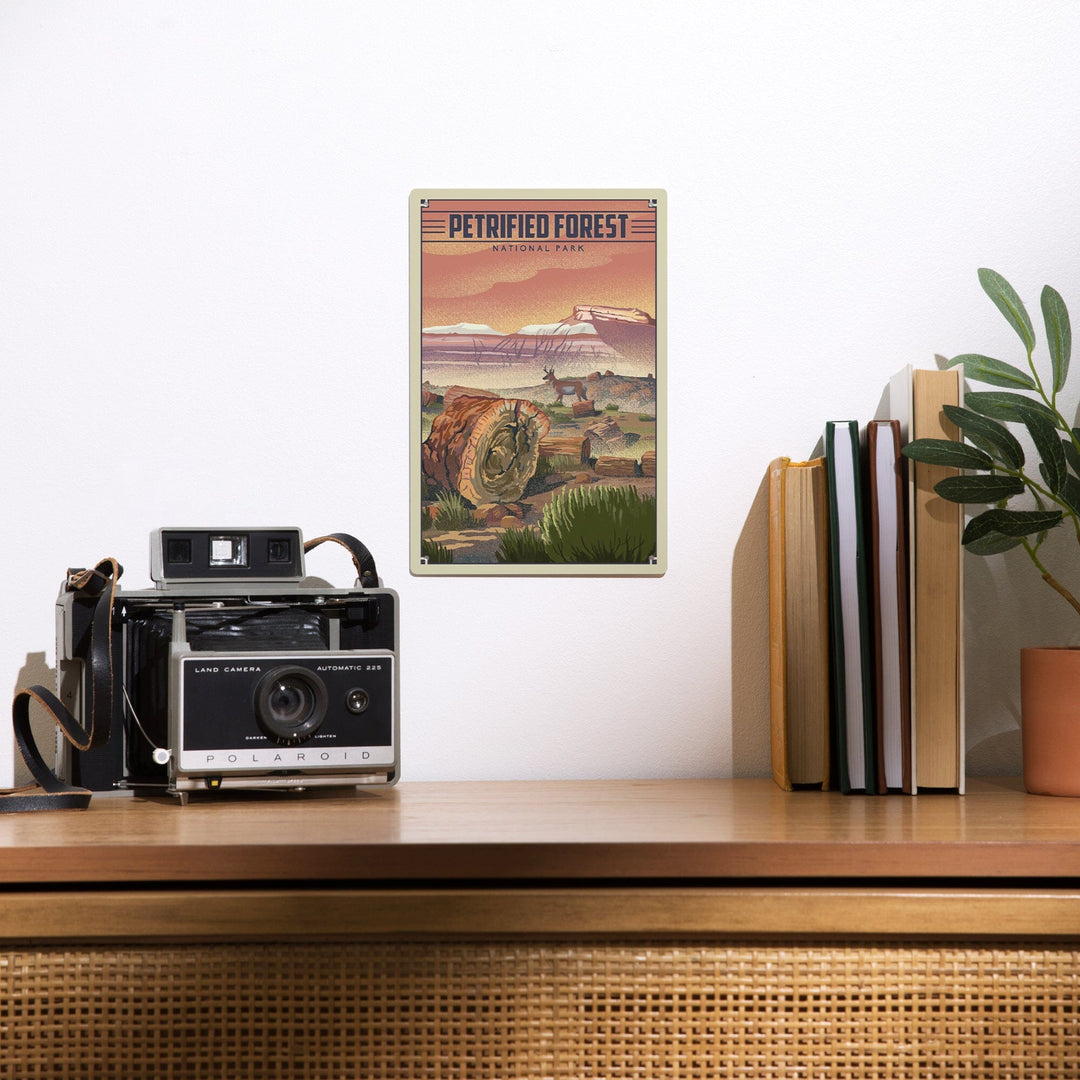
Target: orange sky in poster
{"x": 507, "y": 290}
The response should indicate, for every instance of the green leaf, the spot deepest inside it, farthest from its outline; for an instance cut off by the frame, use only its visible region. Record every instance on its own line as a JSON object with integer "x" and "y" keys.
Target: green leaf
{"x": 1070, "y": 493}
{"x": 1048, "y": 443}
{"x": 1010, "y": 523}
{"x": 1009, "y": 304}
{"x": 1058, "y": 333}
{"x": 978, "y": 489}
{"x": 1072, "y": 455}
{"x": 996, "y": 372}
{"x": 993, "y": 544}
{"x": 1001, "y": 405}
{"x": 957, "y": 455}
{"x": 996, "y": 439}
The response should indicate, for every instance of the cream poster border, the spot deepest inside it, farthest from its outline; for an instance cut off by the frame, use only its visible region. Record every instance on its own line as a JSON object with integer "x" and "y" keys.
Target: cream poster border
{"x": 538, "y": 382}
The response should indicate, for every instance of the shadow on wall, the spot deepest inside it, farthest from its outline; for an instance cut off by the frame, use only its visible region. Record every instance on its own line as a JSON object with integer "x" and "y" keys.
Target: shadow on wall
{"x": 36, "y": 671}
{"x": 750, "y": 641}
{"x": 1008, "y": 607}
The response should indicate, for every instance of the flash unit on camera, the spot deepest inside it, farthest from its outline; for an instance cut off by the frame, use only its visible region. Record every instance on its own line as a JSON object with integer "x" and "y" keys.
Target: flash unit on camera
{"x": 258, "y": 557}
{"x": 228, "y": 551}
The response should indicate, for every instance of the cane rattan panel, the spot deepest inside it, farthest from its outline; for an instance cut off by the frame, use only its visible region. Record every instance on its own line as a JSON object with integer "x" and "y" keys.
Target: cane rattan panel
{"x": 542, "y": 1009}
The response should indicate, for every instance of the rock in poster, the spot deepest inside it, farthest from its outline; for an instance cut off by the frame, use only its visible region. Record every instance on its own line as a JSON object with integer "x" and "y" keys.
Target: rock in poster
{"x": 537, "y": 342}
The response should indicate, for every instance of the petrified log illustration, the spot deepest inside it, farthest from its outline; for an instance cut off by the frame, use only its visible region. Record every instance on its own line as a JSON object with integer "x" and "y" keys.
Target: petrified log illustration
{"x": 566, "y": 445}
{"x": 452, "y": 393}
{"x": 615, "y": 466}
{"x": 485, "y": 448}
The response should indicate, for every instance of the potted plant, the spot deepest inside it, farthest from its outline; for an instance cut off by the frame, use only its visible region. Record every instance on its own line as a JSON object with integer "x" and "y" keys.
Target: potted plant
{"x": 999, "y": 471}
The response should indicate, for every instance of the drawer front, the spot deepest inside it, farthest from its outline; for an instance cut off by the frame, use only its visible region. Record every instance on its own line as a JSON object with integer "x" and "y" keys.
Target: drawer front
{"x": 577, "y": 1008}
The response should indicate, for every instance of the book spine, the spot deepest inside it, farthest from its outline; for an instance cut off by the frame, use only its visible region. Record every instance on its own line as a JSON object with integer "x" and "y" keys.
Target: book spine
{"x": 777, "y": 627}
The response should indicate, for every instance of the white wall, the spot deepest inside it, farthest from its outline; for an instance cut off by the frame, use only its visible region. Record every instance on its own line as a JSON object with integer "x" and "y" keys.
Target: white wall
{"x": 204, "y": 309}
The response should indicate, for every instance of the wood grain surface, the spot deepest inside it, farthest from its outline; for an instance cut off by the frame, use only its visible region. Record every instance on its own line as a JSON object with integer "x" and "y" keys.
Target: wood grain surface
{"x": 569, "y": 831}
{"x": 351, "y": 914}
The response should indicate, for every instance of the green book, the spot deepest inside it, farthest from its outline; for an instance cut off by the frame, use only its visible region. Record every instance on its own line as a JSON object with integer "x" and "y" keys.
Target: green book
{"x": 854, "y": 730}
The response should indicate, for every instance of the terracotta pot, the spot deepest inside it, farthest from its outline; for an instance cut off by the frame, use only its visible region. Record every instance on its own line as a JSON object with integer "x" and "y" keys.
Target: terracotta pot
{"x": 1050, "y": 720}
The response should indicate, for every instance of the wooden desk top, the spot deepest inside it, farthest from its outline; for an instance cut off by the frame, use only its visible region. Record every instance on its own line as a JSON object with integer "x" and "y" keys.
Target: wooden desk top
{"x": 618, "y": 831}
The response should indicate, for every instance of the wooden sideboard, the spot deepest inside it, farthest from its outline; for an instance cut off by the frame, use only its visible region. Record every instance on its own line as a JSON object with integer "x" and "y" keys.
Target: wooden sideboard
{"x": 645, "y": 928}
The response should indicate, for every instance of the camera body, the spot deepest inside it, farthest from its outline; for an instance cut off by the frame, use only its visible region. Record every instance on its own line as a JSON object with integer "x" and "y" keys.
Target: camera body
{"x": 237, "y": 671}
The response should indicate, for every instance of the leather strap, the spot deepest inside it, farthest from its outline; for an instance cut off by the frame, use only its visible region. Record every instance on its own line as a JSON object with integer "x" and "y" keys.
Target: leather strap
{"x": 50, "y": 792}
{"x": 361, "y": 557}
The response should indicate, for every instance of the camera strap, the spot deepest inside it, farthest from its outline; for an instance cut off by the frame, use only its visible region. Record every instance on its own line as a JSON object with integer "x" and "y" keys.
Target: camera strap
{"x": 361, "y": 557}
{"x": 50, "y": 792}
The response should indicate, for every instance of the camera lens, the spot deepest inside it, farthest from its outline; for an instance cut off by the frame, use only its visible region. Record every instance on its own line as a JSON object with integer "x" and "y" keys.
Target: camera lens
{"x": 290, "y": 704}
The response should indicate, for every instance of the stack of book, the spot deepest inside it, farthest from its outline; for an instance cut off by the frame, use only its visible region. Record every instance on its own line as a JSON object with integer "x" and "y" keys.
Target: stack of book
{"x": 866, "y": 605}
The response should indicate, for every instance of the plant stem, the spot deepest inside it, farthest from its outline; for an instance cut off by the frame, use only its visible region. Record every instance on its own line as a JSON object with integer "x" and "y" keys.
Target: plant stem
{"x": 1050, "y": 579}
{"x": 1038, "y": 380}
{"x": 1051, "y": 401}
{"x": 1039, "y": 492}
{"x": 1058, "y": 587}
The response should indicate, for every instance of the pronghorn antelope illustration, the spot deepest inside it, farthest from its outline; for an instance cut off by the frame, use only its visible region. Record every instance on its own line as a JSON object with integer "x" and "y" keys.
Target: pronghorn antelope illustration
{"x": 564, "y": 386}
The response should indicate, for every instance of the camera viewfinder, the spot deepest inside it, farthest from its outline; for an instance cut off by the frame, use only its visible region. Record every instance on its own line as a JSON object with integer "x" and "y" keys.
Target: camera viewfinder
{"x": 179, "y": 550}
{"x": 228, "y": 551}
{"x": 222, "y": 555}
{"x": 278, "y": 550}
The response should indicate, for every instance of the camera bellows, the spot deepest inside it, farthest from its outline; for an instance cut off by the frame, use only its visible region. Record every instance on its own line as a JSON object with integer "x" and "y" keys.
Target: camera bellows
{"x": 485, "y": 448}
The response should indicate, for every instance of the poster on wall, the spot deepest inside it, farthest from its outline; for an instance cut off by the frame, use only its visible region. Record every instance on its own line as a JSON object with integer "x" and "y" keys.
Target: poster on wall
{"x": 537, "y": 382}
